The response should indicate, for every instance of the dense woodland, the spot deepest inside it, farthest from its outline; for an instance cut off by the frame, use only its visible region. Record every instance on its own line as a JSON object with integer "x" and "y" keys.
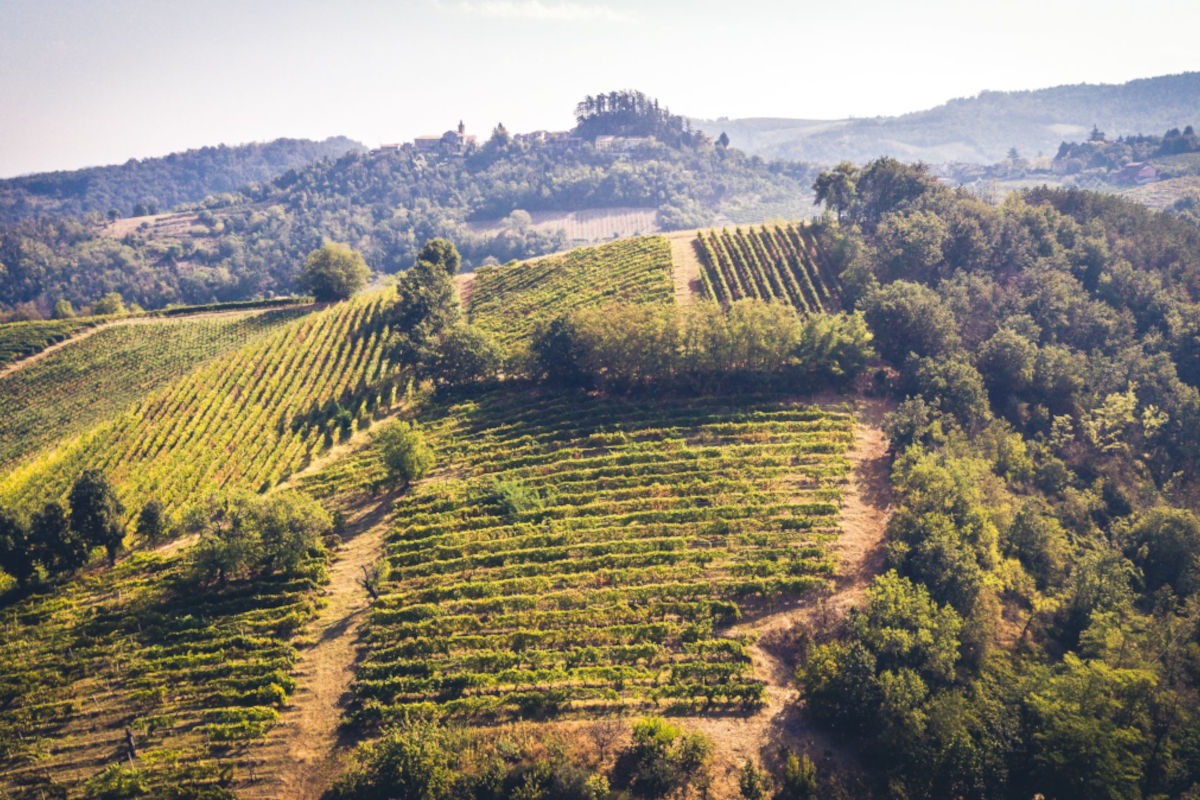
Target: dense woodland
{"x": 1038, "y": 631}
{"x": 151, "y": 185}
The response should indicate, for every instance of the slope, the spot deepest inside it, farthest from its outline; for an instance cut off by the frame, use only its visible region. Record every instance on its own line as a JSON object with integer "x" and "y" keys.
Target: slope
{"x": 977, "y": 129}
{"x": 511, "y": 300}
{"x": 245, "y": 420}
{"x": 86, "y": 380}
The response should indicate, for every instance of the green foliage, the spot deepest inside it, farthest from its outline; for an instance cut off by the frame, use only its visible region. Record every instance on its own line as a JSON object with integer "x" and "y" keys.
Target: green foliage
{"x": 18, "y": 555}
{"x": 464, "y": 355}
{"x": 110, "y": 303}
{"x": 333, "y": 271}
{"x": 619, "y": 347}
{"x": 63, "y": 310}
{"x": 753, "y": 782}
{"x": 152, "y": 524}
{"x": 799, "y": 779}
{"x": 426, "y": 307}
{"x": 908, "y": 318}
{"x": 662, "y": 759}
{"x": 1088, "y": 730}
{"x": 405, "y": 455}
{"x": 97, "y": 516}
{"x": 441, "y": 253}
{"x": 255, "y": 535}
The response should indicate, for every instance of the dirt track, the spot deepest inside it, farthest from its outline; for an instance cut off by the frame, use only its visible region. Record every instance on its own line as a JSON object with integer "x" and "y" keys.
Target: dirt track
{"x": 686, "y": 267}
{"x": 781, "y": 724}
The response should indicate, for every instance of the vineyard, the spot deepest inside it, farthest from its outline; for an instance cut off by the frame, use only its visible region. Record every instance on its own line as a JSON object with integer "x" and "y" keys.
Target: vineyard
{"x": 776, "y": 262}
{"x": 21, "y": 339}
{"x": 86, "y": 382}
{"x": 134, "y": 654}
{"x": 244, "y": 420}
{"x": 581, "y": 554}
{"x": 510, "y": 301}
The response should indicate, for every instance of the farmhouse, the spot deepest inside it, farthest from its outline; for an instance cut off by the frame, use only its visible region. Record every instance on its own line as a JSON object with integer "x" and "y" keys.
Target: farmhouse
{"x": 1136, "y": 172}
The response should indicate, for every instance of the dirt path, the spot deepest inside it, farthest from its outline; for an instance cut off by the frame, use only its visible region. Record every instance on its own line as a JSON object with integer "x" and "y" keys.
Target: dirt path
{"x": 465, "y": 281}
{"x": 30, "y": 360}
{"x": 305, "y": 752}
{"x": 781, "y": 723}
{"x": 686, "y": 267}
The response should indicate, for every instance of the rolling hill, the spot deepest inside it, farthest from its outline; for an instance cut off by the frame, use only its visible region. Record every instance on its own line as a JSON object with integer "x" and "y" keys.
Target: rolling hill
{"x": 978, "y": 129}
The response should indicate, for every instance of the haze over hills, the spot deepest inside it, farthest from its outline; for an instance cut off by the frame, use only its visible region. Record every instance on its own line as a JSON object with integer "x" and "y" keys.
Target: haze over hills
{"x": 153, "y": 184}
{"x": 978, "y": 129}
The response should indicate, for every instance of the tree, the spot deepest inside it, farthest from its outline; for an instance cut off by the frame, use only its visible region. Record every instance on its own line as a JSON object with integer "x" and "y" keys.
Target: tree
{"x": 111, "y": 303}
{"x": 291, "y": 526}
{"x": 96, "y": 513}
{"x": 662, "y": 759}
{"x": 799, "y": 779}
{"x": 723, "y": 140}
{"x": 836, "y": 188}
{"x": 333, "y": 272}
{"x": 16, "y": 548}
{"x": 406, "y": 456}
{"x": 152, "y": 523}
{"x": 908, "y": 318}
{"x": 752, "y": 781}
{"x": 464, "y": 355}
{"x": 59, "y": 549}
{"x": 63, "y": 310}
{"x": 442, "y": 253}
{"x": 426, "y": 305}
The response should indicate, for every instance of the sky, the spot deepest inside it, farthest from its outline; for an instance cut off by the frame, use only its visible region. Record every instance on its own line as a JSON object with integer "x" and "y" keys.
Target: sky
{"x": 89, "y": 82}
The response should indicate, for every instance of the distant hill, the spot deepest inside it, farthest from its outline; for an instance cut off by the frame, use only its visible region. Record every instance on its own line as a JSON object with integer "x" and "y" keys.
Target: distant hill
{"x": 156, "y": 184}
{"x": 250, "y": 243}
{"x": 978, "y": 129}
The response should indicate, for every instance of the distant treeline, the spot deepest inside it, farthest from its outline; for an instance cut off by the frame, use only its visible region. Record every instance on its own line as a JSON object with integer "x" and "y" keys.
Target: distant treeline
{"x": 151, "y": 185}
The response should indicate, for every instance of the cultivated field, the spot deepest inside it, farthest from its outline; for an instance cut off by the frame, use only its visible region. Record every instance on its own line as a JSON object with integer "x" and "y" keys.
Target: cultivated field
{"x": 510, "y": 301}
{"x": 776, "y": 262}
{"x": 581, "y": 555}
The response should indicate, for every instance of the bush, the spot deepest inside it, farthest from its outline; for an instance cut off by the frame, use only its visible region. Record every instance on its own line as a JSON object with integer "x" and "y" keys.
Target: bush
{"x": 406, "y": 456}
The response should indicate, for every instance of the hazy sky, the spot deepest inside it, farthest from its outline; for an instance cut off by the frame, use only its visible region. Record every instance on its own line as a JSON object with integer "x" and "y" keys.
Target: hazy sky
{"x": 99, "y": 81}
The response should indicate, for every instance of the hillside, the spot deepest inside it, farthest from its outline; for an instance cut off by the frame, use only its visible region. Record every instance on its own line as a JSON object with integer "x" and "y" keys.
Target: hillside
{"x": 978, "y": 129}
{"x": 385, "y": 204}
{"x": 145, "y": 186}
{"x": 870, "y": 518}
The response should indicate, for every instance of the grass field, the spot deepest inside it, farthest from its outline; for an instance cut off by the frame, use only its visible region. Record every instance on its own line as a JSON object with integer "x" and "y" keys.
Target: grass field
{"x": 581, "y": 554}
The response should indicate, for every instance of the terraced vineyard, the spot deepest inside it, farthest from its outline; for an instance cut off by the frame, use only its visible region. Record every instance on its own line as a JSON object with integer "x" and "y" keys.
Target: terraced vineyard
{"x": 21, "y": 339}
{"x": 135, "y": 652}
{"x": 774, "y": 262}
{"x": 581, "y": 554}
{"x": 84, "y": 383}
{"x": 244, "y": 420}
{"x": 509, "y": 301}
